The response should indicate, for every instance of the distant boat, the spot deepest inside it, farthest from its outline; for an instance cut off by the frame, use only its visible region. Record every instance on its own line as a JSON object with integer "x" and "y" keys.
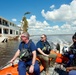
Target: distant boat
{"x": 8, "y": 30}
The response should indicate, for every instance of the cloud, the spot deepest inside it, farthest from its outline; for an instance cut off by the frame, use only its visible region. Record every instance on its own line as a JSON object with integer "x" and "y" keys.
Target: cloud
{"x": 65, "y": 16}
{"x": 37, "y": 27}
{"x": 66, "y": 26}
{"x": 64, "y": 13}
{"x": 14, "y": 19}
{"x": 74, "y": 23}
{"x": 19, "y": 25}
{"x": 56, "y": 27}
{"x": 52, "y": 6}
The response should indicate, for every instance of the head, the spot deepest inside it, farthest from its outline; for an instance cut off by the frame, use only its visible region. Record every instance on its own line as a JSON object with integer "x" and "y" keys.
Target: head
{"x": 25, "y": 36}
{"x": 43, "y": 37}
{"x": 74, "y": 37}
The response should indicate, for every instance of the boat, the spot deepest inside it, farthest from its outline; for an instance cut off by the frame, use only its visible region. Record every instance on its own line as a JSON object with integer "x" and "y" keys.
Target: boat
{"x": 60, "y": 58}
{"x": 12, "y": 69}
{"x": 8, "y": 30}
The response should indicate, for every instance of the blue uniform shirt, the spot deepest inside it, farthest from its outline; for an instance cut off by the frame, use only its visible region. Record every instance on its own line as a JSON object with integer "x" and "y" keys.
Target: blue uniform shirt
{"x": 41, "y": 45}
{"x": 32, "y": 46}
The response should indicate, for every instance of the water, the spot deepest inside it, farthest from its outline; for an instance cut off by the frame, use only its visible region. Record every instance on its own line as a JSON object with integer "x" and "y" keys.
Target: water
{"x": 7, "y": 50}
{"x": 65, "y": 39}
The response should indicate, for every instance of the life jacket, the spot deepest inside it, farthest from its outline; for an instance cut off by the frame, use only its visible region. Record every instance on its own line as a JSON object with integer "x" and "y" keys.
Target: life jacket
{"x": 26, "y": 54}
{"x": 46, "y": 47}
{"x": 73, "y": 48}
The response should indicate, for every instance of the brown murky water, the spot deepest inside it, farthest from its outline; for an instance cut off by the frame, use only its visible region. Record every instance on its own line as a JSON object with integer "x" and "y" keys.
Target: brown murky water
{"x": 7, "y": 51}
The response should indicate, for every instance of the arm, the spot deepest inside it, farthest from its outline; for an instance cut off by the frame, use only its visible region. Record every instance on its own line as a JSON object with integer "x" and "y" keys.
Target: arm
{"x": 33, "y": 48}
{"x": 74, "y": 68}
{"x": 15, "y": 56}
{"x": 34, "y": 57}
{"x": 41, "y": 52}
{"x": 70, "y": 68}
{"x": 31, "y": 69}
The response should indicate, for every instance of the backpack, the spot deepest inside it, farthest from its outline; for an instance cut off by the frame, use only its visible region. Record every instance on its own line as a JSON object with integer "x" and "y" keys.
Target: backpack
{"x": 26, "y": 54}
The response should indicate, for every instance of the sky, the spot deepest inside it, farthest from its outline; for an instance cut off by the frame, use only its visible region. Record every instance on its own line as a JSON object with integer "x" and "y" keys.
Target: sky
{"x": 46, "y": 17}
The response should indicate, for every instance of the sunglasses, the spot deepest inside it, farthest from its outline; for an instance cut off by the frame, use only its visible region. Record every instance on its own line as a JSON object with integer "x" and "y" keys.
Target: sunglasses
{"x": 42, "y": 37}
{"x": 23, "y": 36}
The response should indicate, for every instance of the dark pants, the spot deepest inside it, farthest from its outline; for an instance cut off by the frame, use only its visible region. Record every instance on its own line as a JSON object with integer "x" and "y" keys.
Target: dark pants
{"x": 22, "y": 67}
{"x": 70, "y": 60}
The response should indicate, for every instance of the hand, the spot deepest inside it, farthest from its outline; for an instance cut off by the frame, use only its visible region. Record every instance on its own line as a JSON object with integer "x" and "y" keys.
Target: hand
{"x": 11, "y": 61}
{"x": 47, "y": 55}
{"x": 31, "y": 69}
{"x": 69, "y": 68}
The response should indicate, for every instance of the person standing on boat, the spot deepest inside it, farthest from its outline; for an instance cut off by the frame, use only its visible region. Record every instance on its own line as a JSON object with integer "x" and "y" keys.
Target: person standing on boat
{"x": 34, "y": 67}
{"x": 43, "y": 52}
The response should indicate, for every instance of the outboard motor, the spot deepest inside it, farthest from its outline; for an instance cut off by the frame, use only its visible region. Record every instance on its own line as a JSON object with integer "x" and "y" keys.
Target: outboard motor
{"x": 65, "y": 50}
{"x": 58, "y": 47}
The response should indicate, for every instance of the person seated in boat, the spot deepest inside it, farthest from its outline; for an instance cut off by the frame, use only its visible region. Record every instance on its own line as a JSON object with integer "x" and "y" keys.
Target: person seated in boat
{"x": 43, "y": 52}
{"x": 34, "y": 66}
{"x": 71, "y": 54}
{"x": 71, "y": 70}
